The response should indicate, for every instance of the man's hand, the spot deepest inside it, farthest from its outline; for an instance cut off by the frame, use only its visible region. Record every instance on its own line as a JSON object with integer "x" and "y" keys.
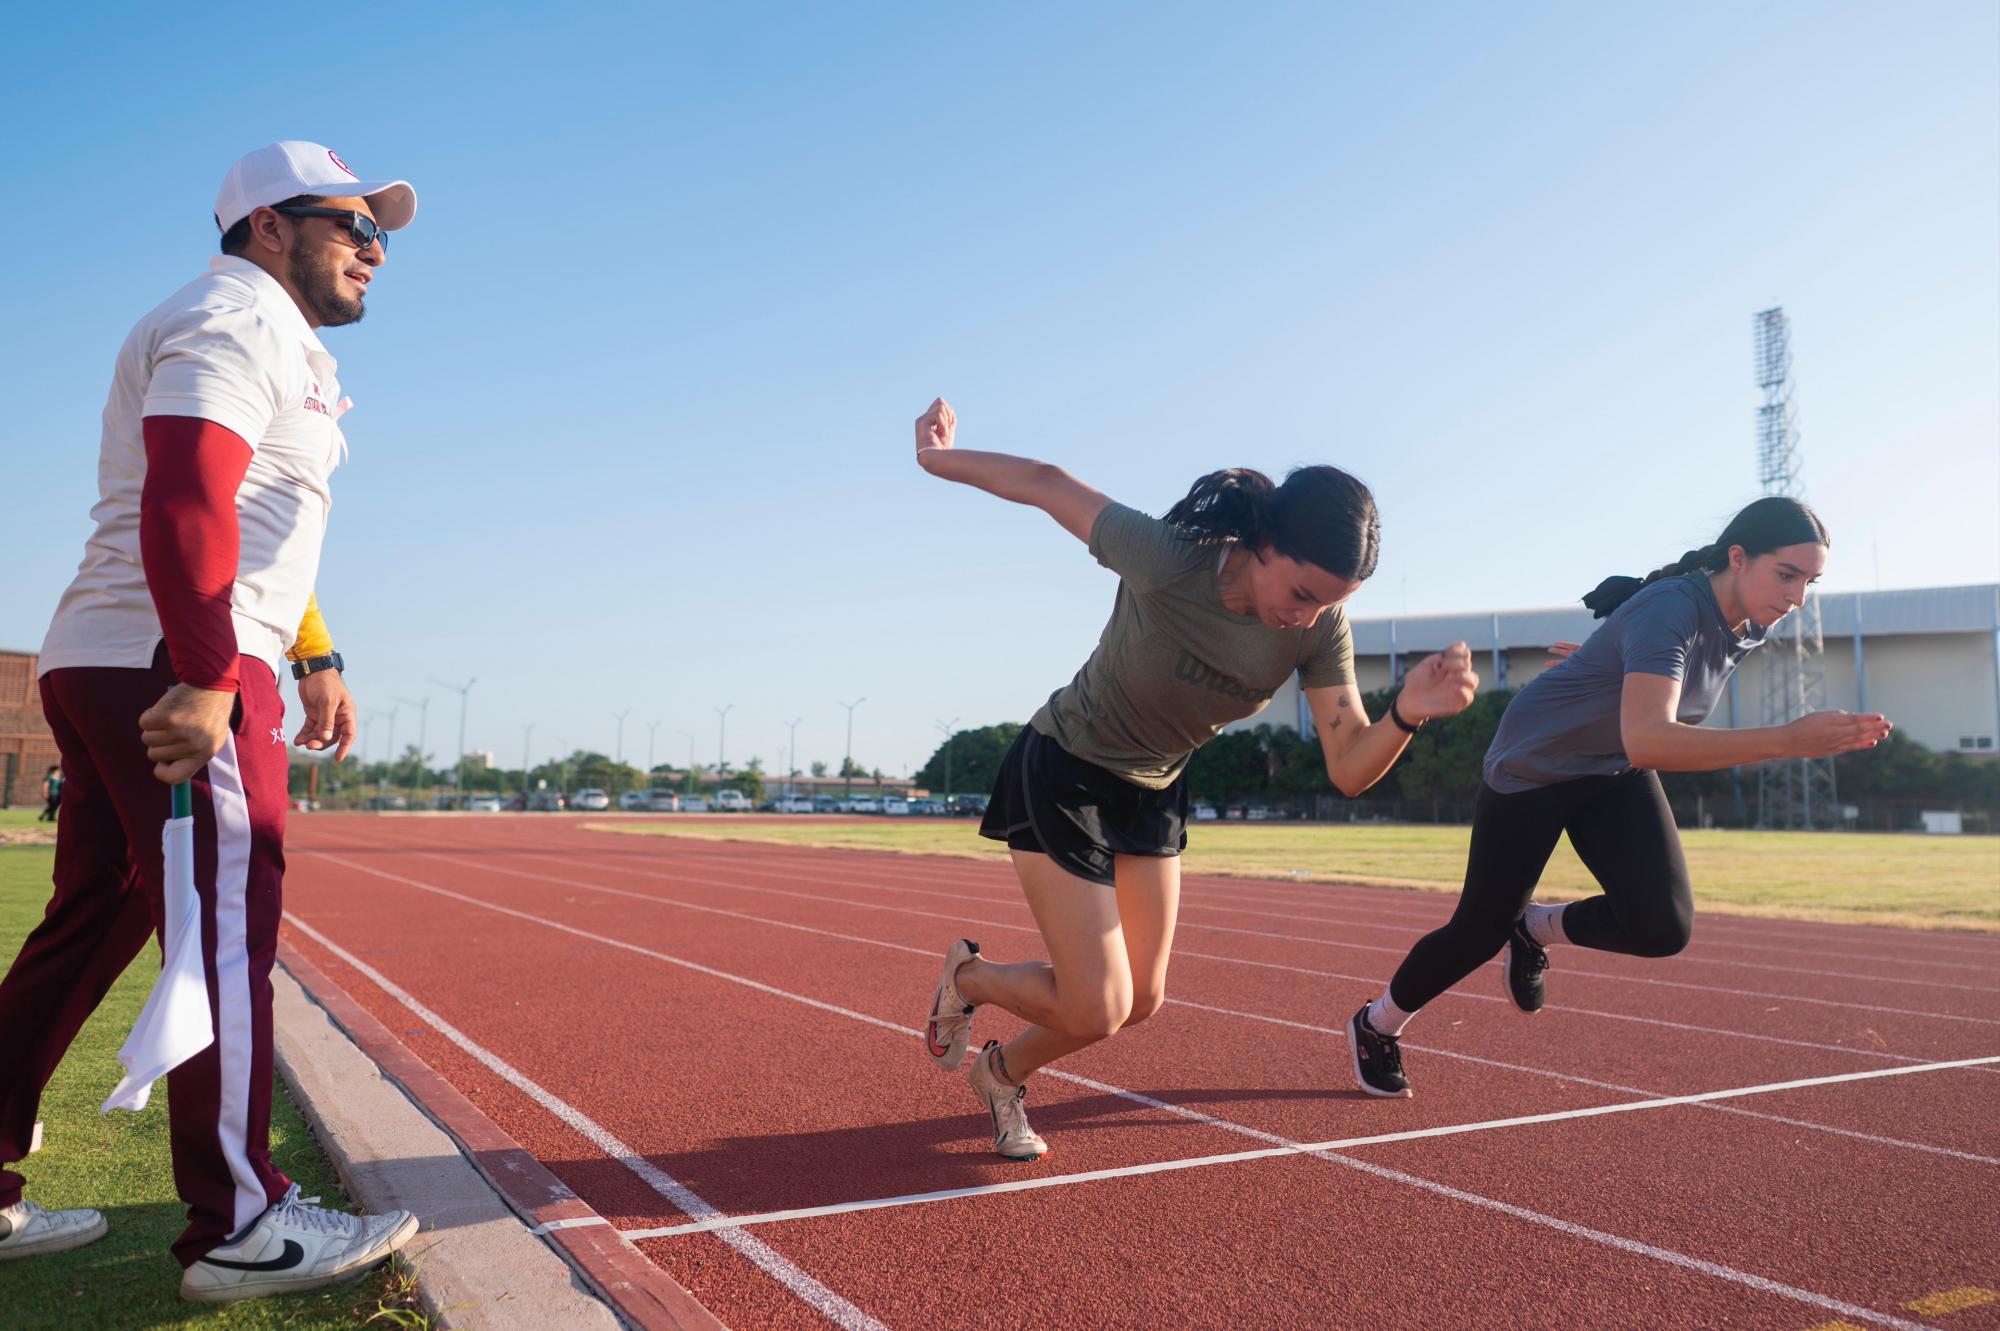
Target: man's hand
{"x": 184, "y": 729}
{"x": 1441, "y": 685}
{"x": 329, "y": 709}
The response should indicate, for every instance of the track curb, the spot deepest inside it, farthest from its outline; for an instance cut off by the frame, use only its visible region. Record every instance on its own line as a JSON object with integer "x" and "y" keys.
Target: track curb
{"x": 401, "y": 1137}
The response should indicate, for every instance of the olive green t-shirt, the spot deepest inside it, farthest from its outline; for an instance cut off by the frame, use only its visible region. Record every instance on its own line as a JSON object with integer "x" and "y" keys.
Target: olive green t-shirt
{"x": 1174, "y": 665}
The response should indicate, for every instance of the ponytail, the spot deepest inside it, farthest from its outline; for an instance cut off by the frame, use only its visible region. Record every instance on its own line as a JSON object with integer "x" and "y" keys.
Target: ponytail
{"x": 1234, "y": 504}
{"x": 1320, "y": 516}
{"x": 1764, "y": 526}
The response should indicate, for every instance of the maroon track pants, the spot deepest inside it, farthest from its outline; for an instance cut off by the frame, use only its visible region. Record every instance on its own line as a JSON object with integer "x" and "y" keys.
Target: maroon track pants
{"x": 109, "y": 899}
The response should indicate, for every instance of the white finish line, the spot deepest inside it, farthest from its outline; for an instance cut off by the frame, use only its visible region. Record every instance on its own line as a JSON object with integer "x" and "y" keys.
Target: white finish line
{"x": 1279, "y": 1152}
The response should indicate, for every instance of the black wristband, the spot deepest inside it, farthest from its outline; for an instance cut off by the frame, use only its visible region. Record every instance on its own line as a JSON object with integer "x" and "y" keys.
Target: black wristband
{"x": 312, "y": 665}
{"x": 1397, "y": 716}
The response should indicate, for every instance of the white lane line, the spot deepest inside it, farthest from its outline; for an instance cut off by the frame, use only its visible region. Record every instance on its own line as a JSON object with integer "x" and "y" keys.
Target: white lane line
{"x": 1336, "y": 1033}
{"x": 1463, "y": 995}
{"x": 1236, "y": 891}
{"x": 1535, "y": 1217}
{"x": 1635, "y": 1247}
{"x": 1413, "y": 930}
{"x": 1187, "y": 925}
{"x": 805, "y": 862}
{"x": 1330, "y": 1031}
{"x": 809, "y": 1291}
{"x": 1290, "y": 1149}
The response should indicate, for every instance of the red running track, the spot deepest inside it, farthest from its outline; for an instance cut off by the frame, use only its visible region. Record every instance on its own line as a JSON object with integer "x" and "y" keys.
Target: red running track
{"x": 703, "y": 1040}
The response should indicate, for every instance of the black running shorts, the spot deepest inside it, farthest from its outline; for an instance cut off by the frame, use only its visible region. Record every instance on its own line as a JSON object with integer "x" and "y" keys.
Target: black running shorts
{"x": 1049, "y": 801}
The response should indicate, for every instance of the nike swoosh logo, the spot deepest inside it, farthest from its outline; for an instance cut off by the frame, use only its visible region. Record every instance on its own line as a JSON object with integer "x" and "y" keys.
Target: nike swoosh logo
{"x": 930, "y": 1038}
{"x": 293, "y": 1254}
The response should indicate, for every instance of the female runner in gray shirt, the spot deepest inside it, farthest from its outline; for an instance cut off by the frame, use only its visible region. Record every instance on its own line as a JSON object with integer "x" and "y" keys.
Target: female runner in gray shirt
{"x": 1579, "y": 751}
{"x": 1218, "y": 604}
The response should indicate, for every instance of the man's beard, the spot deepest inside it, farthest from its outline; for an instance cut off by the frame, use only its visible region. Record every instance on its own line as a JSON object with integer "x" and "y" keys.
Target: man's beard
{"x": 317, "y": 280}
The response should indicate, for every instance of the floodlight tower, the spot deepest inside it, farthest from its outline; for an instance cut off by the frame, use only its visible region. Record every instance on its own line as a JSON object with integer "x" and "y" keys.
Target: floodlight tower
{"x": 1791, "y": 792}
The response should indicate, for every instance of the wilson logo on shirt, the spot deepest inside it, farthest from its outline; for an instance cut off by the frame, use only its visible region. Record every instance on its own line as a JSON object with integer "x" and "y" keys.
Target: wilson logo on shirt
{"x": 1189, "y": 669}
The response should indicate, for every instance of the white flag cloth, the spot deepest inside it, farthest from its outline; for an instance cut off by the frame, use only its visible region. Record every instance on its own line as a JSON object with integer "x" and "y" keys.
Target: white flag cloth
{"x": 174, "y": 1025}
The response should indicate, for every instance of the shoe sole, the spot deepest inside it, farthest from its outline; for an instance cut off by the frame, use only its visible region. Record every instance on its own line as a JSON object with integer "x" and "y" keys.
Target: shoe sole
{"x": 1021, "y": 1159}
{"x": 63, "y": 1243}
{"x": 949, "y": 1062}
{"x": 345, "y": 1275}
{"x": 1507, "y": 983}
{"x": 1354, "y": 1053}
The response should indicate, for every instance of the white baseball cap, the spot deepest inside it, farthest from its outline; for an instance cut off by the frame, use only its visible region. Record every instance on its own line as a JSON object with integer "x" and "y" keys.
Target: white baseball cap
{"x": 291, "y": 167}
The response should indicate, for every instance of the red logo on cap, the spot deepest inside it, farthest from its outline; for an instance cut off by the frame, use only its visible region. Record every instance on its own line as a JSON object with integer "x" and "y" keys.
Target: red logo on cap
{"x": 342, "y": 165}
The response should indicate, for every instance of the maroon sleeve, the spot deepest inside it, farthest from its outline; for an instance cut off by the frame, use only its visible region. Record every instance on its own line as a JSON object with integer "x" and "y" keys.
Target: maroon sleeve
{"x": 189, "y": 541}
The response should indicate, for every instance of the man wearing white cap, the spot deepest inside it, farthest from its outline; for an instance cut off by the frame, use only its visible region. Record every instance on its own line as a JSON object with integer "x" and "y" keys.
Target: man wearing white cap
{"x": 160, "y": 667}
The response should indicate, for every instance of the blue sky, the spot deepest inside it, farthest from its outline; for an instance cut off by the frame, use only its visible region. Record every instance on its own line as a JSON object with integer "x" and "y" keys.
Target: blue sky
{"x": 634, "y": 394}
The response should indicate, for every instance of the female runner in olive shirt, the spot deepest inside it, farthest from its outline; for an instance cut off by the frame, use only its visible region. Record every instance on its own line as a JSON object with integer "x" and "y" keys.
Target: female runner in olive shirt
{"x": 1217, "y": 606}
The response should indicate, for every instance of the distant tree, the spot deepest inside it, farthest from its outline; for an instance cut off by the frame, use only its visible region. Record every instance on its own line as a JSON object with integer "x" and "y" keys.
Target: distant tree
{"x": 974, "y": 759}
{"x": 819, "y": 769}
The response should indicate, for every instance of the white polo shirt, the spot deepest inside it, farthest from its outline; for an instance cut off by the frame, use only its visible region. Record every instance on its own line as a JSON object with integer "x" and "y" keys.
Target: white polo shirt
{"x": 233, "y": 348}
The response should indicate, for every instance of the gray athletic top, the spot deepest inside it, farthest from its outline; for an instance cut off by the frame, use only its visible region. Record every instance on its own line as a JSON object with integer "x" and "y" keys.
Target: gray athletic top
{"x": 1565, "y": 723}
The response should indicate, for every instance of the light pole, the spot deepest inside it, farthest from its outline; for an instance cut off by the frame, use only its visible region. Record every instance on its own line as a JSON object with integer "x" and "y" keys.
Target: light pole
{"x": 847, "y": 762}
{"x": 619, "y": 755}
{"x": 367, "y": 720}
{"x": 392, "y": 739}
{"x": 689, "y": 736}
{"x": 423, "y": 724}
{"x": 652, "y": 731}
{"x": 721, "y": 735}
{"x": 792, "y": 753}
{"x": 950, "y": 729}
{"x": 527, "y": 738}
{"x": 463, "y": 691}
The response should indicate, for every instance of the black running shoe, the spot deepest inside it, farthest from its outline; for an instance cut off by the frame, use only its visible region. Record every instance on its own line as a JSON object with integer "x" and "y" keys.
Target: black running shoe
{"x": 1526, "y": 961}
{"x": 1378, "y": 1059}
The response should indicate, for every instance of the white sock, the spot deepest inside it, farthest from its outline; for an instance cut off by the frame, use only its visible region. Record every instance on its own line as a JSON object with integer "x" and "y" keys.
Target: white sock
{"x": 1544, "y": 924}
{"x": 1386, "y": 1017}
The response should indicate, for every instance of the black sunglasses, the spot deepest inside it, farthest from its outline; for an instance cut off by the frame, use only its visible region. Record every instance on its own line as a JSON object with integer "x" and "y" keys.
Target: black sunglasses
{"x": 361, "y": 228}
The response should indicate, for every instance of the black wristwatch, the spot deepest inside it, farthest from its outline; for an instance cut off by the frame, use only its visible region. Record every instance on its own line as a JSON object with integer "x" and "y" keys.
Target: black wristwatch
{"x": 1394, "y": 715}
{"x": 314, "y": 664}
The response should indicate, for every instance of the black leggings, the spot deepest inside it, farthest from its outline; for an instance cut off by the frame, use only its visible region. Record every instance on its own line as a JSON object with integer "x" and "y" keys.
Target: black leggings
{"x": 1623, "y": 832}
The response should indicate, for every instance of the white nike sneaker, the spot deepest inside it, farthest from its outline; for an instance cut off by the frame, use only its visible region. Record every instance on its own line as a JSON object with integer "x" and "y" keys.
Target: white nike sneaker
{"x": 26, "y": 1230}
{"x": 296, "y": 1245}
{"x": 1012, "y": 1137}
{"x": 948, "y": 1030}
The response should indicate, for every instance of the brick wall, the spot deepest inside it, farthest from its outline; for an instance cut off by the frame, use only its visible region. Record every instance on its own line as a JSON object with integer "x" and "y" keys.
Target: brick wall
{"x": 26, "y": 746}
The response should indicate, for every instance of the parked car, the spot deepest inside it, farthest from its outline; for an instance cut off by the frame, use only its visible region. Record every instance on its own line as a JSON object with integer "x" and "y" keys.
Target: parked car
{"x": 1258, "y": 813}
{"x": 796, "y": 804}
{"x": 1205, "y": 813}
{"x": 386, "y": 802}
{"x": 662, "y": 801}
{"x": 482, "y": 804}
{"x": 896, "y": 806}
{"x": 969, "y": 806}
{"x": 826, "y": 804}
{"x": 731, "y": 800}
{"x": 927, "y": 808}
{"x": 547, "y": 801}
{"x": 694, "y": 804}
{"x": 864, "y": 804}
{"x": 590, "y": 799}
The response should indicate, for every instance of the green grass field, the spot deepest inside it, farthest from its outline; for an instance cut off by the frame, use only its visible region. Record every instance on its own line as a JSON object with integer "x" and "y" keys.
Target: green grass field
{"x": 120, "y": 1165}
{"x": 1859, "y": 878}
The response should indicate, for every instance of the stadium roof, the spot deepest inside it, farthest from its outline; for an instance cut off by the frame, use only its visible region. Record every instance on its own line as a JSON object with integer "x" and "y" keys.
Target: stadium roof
{"x": 1969, "y": 609}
